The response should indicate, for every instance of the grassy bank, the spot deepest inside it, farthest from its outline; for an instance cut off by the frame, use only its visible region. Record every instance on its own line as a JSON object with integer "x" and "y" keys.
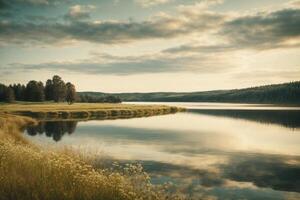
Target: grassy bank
{"x": 27, "y": 172}
{"x": 11, "y": 126}
{"x": 86, "y": 110}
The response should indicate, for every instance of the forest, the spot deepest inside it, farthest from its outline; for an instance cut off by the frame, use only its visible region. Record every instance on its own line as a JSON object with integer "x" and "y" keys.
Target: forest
{"x": 55, "y": 90}
{"x": 285, "y": 93}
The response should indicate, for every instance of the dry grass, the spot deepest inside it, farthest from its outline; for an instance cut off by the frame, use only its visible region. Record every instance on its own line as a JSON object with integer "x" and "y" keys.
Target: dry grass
{"x": 27, "y": 172}
{"x": 11, "y": 126}
{"x": 86, "y": 110}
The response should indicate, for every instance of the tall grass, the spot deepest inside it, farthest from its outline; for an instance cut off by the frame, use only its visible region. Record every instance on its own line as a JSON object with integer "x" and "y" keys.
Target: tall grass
{"x": 27, "y": 172}
{"x": 11, "y": 126}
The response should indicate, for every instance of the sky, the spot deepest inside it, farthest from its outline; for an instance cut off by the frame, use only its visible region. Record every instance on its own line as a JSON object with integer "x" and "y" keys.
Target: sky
{"x": 150, "y": 45}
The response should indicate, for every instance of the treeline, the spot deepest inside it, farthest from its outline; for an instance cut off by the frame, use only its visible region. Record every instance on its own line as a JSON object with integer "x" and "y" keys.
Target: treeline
{"x": 286, "y": 93}
{"x": 55, "y": 90}
{"x": 85, "y": 98}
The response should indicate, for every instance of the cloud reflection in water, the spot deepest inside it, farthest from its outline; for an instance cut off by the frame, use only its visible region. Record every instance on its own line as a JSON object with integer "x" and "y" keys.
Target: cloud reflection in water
{"x": 206, "y": 154}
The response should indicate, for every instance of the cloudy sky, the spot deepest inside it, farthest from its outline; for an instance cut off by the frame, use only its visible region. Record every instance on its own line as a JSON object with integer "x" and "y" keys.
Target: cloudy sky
{"x": 151, "y": 45}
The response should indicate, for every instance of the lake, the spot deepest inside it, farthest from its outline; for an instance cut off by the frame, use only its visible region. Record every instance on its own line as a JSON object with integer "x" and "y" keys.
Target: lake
{"x": 213, "y": 150}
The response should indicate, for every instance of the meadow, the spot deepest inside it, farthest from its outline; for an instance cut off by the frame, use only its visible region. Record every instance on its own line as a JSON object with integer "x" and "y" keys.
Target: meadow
{"x": 29, "y": 172}
{"x": 86, "y": 110}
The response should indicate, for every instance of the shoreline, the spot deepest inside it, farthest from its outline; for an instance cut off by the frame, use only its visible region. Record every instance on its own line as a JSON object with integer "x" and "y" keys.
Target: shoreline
{"x": 29, "y": 170}
{"x": 86, "y": 111}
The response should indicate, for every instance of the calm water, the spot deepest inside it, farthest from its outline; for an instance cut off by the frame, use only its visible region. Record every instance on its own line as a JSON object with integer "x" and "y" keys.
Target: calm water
{"x": 222, "y": 151}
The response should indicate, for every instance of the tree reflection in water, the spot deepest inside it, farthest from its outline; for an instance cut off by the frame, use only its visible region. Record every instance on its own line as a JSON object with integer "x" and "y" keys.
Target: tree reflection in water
{"x": 286, "y": 118}
{"x": 54, "y": 129}
{"x": 199, "y": 161}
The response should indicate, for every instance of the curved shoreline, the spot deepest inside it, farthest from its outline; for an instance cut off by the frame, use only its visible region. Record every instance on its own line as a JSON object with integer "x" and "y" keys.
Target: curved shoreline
{"x": 29, "y": 172}
{"x": 87, "y": 111}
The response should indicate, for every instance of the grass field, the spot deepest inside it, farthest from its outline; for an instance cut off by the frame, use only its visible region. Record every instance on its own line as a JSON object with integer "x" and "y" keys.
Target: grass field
{"x": 28, "y": 172}
{"x": 85, "y": 110}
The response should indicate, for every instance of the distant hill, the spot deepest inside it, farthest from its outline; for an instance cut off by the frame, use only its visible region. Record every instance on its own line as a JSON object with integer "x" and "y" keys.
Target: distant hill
{"x": 286, "y": 93}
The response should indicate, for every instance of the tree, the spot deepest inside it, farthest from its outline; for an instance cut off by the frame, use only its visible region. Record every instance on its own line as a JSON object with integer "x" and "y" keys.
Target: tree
{"x": 99, "y": 99}
{"x": 19, "y": 91}
{"x": 2, "y": 92}
{"x": 71, "y": 93}
{"x": 35, "y": 91}
{"x": 6, "y": 94}
{"x": 49, "y": 90}
{"x": 55, "y": 89}
{"x": 112, "y": 99}
{"x": 59, "y": 89}
{"x": 9, "y": 95}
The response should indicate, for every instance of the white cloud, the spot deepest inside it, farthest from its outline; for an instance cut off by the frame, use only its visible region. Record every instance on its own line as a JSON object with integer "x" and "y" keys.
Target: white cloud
{"x": 201, "y": 5}
{"x": 80, "y": 11}
{"x": 148, "y": 3}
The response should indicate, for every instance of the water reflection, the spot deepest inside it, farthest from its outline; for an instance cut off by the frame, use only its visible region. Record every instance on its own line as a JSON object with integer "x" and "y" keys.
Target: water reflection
{"x": 287, "y": 118}
{"x": 207, "y": 154}
{"x": 53, "y": 129}
{"x": 244, "y": 176}
{"x": 270, "y": 171}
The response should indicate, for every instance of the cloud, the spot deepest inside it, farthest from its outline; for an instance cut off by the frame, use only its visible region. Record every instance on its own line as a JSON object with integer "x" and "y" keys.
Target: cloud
{"x": 79, "y": 12}
{"x": 199, "y": 6}
{"x": 265, "y": 30}
{"x": 14, "y": 3}
{"x": 108, "y": 32}
{"x": 149, "y": 3}
{"x": 122, "y": 65}
{"x": 260, "y": 31}
{"x": 14, "y": 9}
{"x": 201, "y": 48}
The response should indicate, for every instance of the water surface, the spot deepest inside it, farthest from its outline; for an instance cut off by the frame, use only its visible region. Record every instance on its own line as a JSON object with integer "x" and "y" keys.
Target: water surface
{"x": 222, "y": 151}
